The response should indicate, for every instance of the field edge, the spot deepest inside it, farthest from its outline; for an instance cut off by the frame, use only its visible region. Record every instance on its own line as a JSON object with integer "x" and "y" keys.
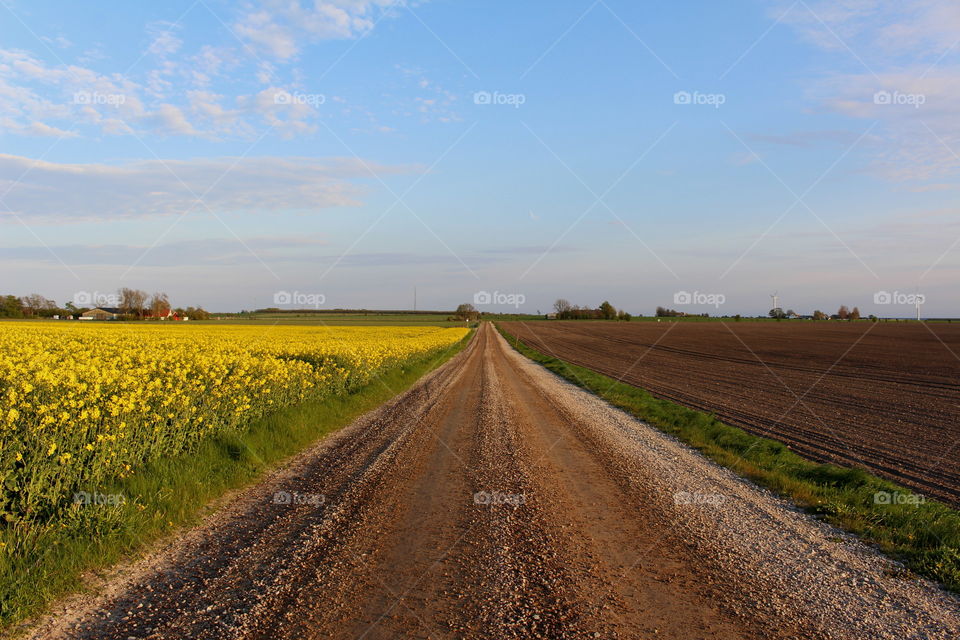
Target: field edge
{"x": 922, "y": 534}
{"x": 171, "y": 495}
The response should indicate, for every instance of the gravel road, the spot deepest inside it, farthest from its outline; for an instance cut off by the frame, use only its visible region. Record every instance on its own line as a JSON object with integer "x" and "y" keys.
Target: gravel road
{"x": 494, "y": 500}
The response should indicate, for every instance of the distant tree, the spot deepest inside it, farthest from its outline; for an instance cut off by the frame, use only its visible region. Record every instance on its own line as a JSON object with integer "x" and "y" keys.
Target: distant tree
{"x": 159, "y": 304}
{"x": 196, "y": 313}
{"x": 819, "y": 315}
{"x": 607, "y": 310}
{"x": 132, "y": 301}
{"x": 36, "y": 305}
{"x": 669, "y": 313}
{"x": 11, "y": 307}
{"x": 777, "y": 313}
{"x": 466, "y": 311}
{"x": 855, "y": 314}
{"x": 843, "y": 312}
{"x": 561, "y": 306}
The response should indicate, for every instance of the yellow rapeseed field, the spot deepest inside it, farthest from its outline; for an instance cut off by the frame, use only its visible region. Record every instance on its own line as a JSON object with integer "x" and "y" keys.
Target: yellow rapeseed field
{"x": 85, "y": 404}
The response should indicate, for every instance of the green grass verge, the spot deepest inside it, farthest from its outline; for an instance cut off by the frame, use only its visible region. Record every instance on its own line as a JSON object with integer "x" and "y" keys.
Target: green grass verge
{"x": 923, "y": 534}
{"x": 40, "y": 564}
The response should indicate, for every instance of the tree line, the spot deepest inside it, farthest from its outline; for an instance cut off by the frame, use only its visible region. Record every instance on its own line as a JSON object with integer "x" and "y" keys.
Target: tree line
{"x": 133, "y": 304}
{"x": 606, "y": 311}
{"x": 663, "y": 312}
{"x": 843, "y": 313}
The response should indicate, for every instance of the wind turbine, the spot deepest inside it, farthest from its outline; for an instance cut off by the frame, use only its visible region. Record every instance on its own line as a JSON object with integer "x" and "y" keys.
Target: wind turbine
{"x": 776, "y": 300}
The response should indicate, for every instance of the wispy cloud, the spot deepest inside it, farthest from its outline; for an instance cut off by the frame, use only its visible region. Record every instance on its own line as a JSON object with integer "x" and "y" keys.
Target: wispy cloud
{"x": 166, "y": 90}
{"x": 806, "y": 138}
{"x": 280, "y": 28}
{"x": 902, "y": 69}
{"x": 147, "y": 188}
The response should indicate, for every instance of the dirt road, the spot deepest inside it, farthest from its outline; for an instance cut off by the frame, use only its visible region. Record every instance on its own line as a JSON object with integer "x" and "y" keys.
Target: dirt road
{"x": 495, "y": 501}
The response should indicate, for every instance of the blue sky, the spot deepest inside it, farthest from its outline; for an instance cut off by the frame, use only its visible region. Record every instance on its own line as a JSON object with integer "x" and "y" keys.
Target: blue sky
{"x": 611, "y": 149}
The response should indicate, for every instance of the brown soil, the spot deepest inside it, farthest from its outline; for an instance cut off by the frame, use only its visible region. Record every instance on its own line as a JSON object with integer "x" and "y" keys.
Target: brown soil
{"x": 883, "y": 396}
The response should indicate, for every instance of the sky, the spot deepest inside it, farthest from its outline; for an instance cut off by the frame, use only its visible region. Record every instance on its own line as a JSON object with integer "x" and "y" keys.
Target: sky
{"x": 343, "y": 153}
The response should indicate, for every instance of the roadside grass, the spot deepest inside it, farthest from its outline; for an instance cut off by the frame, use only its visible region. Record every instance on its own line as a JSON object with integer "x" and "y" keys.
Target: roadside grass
{"x": 921, "y": 533}
{"x": 42, "y": 563}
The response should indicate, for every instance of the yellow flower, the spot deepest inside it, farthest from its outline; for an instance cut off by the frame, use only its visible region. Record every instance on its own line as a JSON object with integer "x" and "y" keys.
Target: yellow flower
{"x": 116, "y": 396}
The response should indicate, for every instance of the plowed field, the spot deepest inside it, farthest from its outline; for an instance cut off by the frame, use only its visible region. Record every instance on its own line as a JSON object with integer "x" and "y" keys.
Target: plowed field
{"x": 883, "y": 396}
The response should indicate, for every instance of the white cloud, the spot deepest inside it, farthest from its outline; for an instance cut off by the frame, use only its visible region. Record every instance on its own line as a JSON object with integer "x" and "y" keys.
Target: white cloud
{"x": 432, "y": 102}
{"x": 41, "y": 129}
{"x": 164, "y": 41}
{"x": 286, "y": 112}
{"x": 65, "y": 192}
{"x": 807, "y": 138}
{"x": 879, "y": 29}
{"x": 40, "y": 97}
{"x": 33, "y": 92}
{"x": 58, "y": 41}
{"x": 903, "y": 61}
{"x": 280, "y": 28}
{"x": 207, "y": 108}
{"x": 170, "y": 120}
{"x": 202, "y": 251}
{"x": 209, "y": 63}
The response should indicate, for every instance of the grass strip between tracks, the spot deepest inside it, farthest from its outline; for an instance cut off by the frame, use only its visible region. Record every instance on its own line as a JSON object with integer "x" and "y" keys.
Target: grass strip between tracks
{"x": 39, "y": 565}
{"x": 923, "y": 534}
